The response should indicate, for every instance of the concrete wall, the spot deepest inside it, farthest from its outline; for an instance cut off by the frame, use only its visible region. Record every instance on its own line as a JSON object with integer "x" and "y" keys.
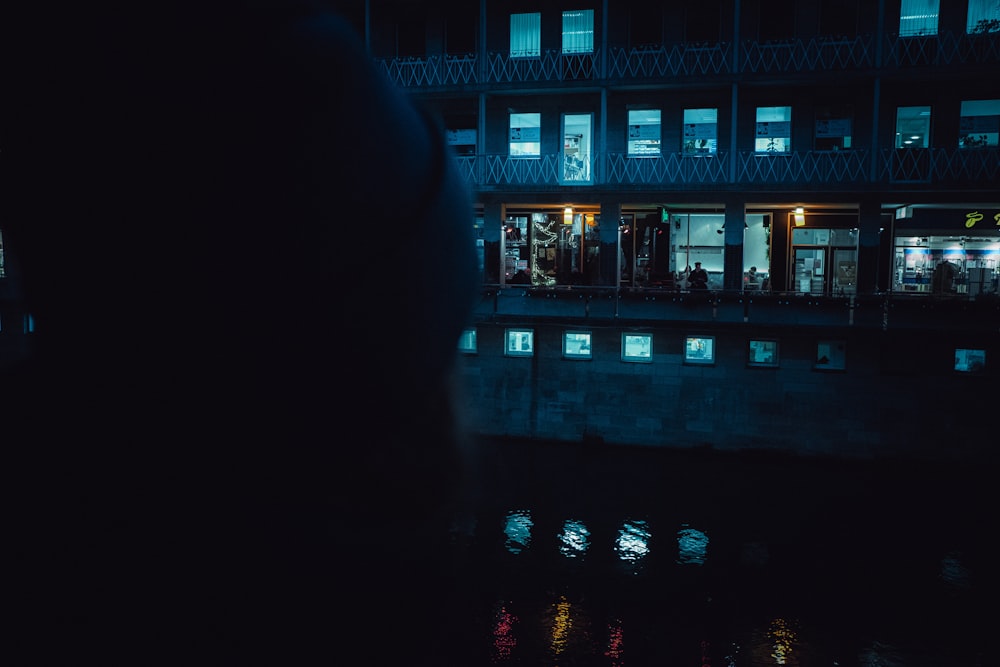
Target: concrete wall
{"x": 898, "y": 396}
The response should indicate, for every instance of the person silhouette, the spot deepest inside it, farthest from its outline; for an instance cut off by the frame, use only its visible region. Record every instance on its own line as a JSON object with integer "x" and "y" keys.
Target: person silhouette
{"x": 233, "y": 500}
{"x": 698, "y": 278}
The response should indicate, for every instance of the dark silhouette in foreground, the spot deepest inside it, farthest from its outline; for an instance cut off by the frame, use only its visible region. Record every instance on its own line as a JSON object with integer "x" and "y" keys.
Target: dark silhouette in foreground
{"x": 228, "y": 449}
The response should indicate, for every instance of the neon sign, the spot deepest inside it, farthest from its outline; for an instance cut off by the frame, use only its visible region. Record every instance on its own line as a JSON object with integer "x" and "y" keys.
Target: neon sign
{"x": 973, "y": 217}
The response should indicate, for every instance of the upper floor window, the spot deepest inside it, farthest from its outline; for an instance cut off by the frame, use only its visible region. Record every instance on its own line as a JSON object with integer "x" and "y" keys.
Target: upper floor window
{"x": 578, "y": 31}
{"x": 983, "y": 16}
{"x": 838, "y": 18}
{"x": 525, "y": 35}
{"x": 702, "y": 21}
{"x": 833, "y": 128}
{"x": 525, "y": 135}
{"x": 913, "y": 127}
{"x": 700, "y": 131}
{"x": 776, "y": 20}
{"x": 918, "y": 17}
{"x": 644, "y": 133}
{"x": 645, "y": 26}
{"x": 979, "y": 124}
{"x": 774, "y": 130}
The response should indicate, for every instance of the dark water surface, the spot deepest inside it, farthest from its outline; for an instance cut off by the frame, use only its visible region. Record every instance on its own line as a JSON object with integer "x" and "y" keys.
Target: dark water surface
{"x": 592, "y": 555}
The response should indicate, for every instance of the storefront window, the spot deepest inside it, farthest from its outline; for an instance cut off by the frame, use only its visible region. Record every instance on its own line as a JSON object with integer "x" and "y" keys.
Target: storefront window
{"x": 824, "y": 260}
{"x": 947, "y": 251}
{"x": 757, "y": 253}
{"x": 547, "y": 249}
{"x": 774, "y": 130}
{"x": 947, "y": 265}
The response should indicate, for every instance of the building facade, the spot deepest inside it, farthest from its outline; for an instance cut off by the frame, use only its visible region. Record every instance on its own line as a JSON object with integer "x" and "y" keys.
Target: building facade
{"x": 833, "y": 166}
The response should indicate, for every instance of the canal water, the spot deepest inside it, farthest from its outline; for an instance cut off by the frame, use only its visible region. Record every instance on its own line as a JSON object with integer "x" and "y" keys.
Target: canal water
{"x": 577, "y": 554}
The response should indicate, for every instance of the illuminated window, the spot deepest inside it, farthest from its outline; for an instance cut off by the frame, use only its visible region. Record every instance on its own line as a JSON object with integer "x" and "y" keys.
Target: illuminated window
{"x": 983, "y": 17}
{"x": 520, "y": 343}
{"x": 831, "y": 355}
{"x": 763, "y": 353}
{"x": 525, "y": 135}
{"x": 700, "y": 131}
{"x": 525, "y": 35}
{"x": 577, "y": 345}
{"x": 699, "y": 350}
{"x": 637, "y": 347}
{"x": 644, "y": 133}
{"x": 913, "y": 127}
{"x": 970, "y": 361}
{"x": 918, "y": 17}
{"x": 467, "y": 341}
{"x": 578, "y": 31}
{"x": 774, "y": 130}
{"x": 979, "y": 124}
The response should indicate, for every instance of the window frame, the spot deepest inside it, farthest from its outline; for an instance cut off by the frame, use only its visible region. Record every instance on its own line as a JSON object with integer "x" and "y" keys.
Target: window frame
{"x": 519, "y": 350}
{"x": 633, "y": 357}
{"x": 585, "y": 352}
{"x": 530, "y": 135}
{"x": 705, "y": 359}
{"x": 526, "y": 35}
{"x": 694, "y": 131}
{"x": 773, "y": 131}
{"x": 639, "y": 131}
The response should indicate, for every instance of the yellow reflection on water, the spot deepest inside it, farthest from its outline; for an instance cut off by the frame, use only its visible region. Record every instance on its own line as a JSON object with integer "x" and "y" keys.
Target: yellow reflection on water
{"x": 561, "y": 625}
{"x": 782, "y": 638}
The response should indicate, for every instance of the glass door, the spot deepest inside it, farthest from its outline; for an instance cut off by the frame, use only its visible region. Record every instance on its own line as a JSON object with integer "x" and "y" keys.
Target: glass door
{"x": 577, "y": 148}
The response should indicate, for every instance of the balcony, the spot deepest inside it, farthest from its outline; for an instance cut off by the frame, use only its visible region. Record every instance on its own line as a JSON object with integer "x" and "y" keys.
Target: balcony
{"x": 940, "y": 167}
{"x": 669, "y": 62}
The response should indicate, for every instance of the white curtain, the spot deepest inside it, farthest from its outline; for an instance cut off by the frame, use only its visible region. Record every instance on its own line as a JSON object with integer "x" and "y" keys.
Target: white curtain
{"x": 578, "y": 31}
{"x": 525, "y": 35}
{"x": 982, "y": 10}
{"x": 918, "y": 17}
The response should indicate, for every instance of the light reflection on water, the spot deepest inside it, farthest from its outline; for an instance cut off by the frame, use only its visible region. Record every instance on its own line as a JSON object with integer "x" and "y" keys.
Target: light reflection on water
{"x": 677, "y": 618}
{"x": 574, "y": 539}
{"x": 769, "y": 569}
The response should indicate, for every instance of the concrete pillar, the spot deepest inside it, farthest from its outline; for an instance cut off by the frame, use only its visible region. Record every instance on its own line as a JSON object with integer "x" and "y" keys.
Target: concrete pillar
{"x": 493, "y": 218}
{"x": 735, "y": 224}
{"x": 870, "y": 261}
{"x": 611, "y": 213}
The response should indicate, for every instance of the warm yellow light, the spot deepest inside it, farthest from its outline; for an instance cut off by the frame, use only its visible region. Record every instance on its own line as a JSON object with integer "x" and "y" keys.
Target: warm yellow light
{"x": 568, "y": 215}
{"x": 799, "y": 209}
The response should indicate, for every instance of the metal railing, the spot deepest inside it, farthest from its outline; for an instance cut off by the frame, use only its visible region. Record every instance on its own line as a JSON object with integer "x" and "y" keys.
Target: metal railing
{"x": 976, "y": 166}
{"x": 669, "y": 61}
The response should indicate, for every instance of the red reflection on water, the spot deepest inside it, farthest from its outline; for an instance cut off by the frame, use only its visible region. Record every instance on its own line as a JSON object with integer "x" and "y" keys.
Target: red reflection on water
{"x": 504, "y": 640}
{"x": 615, "y": 643}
